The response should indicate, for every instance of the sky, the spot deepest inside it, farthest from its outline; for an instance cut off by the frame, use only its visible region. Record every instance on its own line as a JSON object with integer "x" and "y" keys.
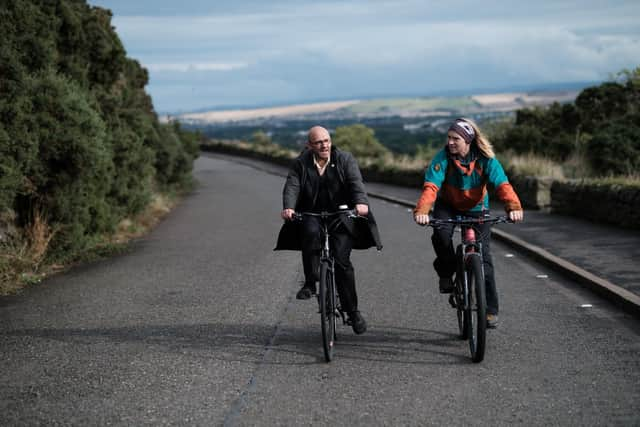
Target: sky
{"x": 217, "y": 54}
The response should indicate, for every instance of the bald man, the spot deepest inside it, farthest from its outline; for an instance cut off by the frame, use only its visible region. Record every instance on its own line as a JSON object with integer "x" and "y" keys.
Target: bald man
{"x": 326, "y": 179}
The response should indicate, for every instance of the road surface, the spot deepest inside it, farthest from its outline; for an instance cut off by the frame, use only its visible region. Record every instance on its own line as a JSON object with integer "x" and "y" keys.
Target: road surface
{"x": 198, "y": 325}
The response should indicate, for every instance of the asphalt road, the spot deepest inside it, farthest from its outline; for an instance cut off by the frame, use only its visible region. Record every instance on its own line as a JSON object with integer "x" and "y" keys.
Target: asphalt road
{"x": 198, "y": 325}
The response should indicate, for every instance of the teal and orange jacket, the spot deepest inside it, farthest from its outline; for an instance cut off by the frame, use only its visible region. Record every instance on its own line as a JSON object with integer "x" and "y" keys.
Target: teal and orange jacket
{"x": 462, "y": 183}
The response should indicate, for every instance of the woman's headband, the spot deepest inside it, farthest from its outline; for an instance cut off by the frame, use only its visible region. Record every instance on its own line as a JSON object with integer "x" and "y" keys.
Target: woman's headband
{"x": 464, "y": 129}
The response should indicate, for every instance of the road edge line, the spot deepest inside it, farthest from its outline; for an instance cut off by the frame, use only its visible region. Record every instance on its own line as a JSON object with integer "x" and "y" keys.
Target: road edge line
{"x": 614, "y": 293}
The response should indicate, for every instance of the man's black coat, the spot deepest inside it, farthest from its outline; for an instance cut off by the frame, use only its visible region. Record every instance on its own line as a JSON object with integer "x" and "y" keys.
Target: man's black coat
{"x": 345, "y": 187}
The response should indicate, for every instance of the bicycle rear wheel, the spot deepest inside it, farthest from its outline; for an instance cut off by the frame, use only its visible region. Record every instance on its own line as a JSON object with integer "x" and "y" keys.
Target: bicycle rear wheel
{"x": 327, "y": 310}
{"x": 477, "y": 309}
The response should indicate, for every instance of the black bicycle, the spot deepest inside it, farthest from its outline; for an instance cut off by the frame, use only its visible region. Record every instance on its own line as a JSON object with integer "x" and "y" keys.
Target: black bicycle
{"x": 330, "y": 309}
{"x": 469, "y": 294}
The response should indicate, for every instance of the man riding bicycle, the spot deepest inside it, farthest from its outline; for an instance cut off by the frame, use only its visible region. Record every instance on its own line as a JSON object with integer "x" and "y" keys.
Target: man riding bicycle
{"x": 326, "y": 179}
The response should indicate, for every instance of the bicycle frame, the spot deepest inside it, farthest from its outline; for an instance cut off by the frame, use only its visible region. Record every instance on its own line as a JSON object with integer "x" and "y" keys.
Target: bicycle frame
{"x": 326, "y": 228}
{"x": 327, "y": 296}
{"x": 469, "y": 247}
{"x": 468, "y": 299}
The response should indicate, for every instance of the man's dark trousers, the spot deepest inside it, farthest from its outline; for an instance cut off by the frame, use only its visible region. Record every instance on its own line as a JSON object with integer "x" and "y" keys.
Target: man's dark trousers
{"x": 340, "y": 244}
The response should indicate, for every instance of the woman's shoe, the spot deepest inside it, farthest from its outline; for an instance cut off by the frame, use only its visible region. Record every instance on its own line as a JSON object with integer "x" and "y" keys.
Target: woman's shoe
{"x": 492, "y": 321}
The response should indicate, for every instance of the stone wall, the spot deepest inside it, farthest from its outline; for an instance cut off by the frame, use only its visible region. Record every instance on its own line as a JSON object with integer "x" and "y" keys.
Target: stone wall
{"x": 281, "y": 158}
{"x": 608, "y": 203}
{"x": 534, "y": 193}
{"x": 404, "y": 178}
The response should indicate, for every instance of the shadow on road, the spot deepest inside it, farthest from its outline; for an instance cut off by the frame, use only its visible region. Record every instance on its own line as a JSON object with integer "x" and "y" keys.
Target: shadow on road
{"x": 253, "y": 343}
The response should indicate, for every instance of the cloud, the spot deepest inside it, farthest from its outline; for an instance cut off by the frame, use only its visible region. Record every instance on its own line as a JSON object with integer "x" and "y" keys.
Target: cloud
{"x": 234, "y": 52}
{"x": 189, "y": 67}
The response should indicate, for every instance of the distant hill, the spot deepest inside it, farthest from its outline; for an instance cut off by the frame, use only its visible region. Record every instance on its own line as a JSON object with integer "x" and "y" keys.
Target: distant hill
{"x": 385, "y": 107}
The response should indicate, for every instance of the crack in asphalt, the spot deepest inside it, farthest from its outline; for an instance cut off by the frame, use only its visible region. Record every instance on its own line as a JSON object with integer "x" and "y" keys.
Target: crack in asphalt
{"x": 242, "y": 401}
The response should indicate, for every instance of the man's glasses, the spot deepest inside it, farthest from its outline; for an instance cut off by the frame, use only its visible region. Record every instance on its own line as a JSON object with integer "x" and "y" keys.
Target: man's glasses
{"x": 321, "y": 141}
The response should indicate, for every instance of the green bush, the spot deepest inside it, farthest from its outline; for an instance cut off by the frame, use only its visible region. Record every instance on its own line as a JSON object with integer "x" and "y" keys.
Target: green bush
{"x": 10, "y": 176}
{"x": 70, "y": 176}
{"x": 80, "y": 144}
{"x": 174, "y": 155}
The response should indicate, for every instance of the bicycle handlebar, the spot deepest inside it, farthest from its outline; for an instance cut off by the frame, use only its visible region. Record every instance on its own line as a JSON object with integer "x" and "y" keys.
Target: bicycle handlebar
{"x": 466, "y": 220}
{"x": 351, "y": 213}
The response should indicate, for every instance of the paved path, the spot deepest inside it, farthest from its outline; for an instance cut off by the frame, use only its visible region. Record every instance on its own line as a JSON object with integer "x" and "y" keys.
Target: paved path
{"x": 584, "y": 248}
{"x": 198, "y": 325}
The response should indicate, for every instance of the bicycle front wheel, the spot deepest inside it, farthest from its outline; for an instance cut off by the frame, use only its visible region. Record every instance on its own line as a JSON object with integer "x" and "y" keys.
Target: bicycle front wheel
{"x": 459, "y": 303}
{"x": 327, "y": 310}
{"x": 458, "y": 298}
{"x": 477, "y": 310}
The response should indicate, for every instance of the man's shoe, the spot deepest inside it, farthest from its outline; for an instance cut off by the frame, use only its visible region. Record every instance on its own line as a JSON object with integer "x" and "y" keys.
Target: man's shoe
{"x": 357, "y": 322}
{"x": 306, "y": 292}
{"x": 492, "y": 321}
{"x": 446, "y": 285}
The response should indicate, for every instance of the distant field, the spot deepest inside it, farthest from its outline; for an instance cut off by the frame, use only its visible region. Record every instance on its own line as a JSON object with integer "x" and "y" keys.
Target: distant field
{"x": 290, "y": 110}
{"x": 516, "y": 100}
{"x": 403, "y": 107}
{"x": 415, "y": 105}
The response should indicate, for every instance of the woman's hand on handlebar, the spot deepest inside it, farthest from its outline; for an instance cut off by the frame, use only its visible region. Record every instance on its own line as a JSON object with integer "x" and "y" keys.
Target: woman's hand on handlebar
{"x": 516, "y": 216}
{"x": 287, "y": 214}
{"x": 422, "y": 219}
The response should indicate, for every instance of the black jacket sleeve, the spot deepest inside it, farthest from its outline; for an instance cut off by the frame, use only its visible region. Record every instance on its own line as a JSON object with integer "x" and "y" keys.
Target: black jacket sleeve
{"x": 353, "y": 180}
{"x": 291, "y": 189}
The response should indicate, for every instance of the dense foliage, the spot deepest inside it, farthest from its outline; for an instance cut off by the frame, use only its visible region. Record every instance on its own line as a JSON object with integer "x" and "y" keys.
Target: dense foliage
{"x": 80, "y": 144}
{"x": 359, "y": 140}
{"x": 603, "y": 125}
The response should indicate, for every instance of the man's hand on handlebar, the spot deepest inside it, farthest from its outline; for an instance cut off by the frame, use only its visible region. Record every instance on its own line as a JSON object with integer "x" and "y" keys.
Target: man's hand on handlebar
{"x": 287, "y": 214}
{"x": 422, "y": 219}
{"x": 362, "y": 209}
{"x": 516, "y": 216}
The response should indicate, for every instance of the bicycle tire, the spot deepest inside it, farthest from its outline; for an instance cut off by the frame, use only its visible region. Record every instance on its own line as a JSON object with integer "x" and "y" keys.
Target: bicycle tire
{"x": 333, "y": 297}
{"x": 477, "y": 310}
{"x": 463, "y": 326}
{"x": 458, "y": 295}
{"x": 327, "y": 310}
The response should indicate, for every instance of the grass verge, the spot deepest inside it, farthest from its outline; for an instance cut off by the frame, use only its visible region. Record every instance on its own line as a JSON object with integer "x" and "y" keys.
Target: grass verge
{"x": 23, "y": 260}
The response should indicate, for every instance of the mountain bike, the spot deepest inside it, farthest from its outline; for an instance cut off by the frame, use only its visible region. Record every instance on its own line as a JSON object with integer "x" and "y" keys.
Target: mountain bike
{"x": 469, "y": 295}
{"x": 328, "y": 300}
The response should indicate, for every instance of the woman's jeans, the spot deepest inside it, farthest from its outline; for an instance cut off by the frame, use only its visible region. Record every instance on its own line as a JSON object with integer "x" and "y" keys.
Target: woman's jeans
{"x": 445, "y": 262}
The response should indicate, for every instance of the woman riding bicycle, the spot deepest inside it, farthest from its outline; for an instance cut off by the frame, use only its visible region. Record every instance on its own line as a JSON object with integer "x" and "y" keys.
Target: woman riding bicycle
{"x": 456, "y": 182}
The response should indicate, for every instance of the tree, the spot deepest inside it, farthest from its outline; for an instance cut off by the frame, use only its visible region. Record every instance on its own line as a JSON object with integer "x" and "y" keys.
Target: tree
{"x": 359, "y": 140}
{"x": 260, "y": 139}
{"x": 599, "y": 104}
{"x": 615, "y": 148}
